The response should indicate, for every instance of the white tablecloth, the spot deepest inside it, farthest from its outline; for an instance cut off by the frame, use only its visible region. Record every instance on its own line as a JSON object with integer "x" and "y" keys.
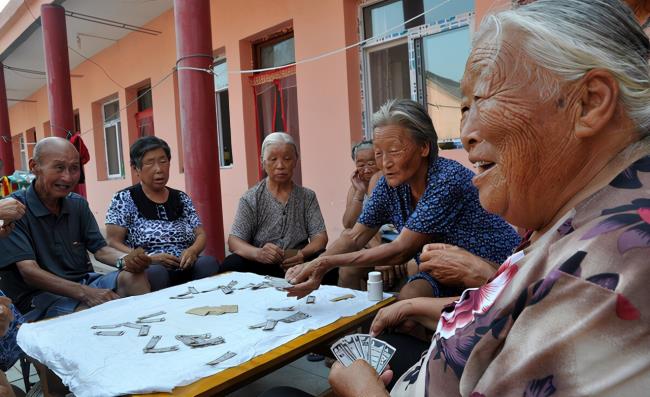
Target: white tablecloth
{"x": 96, "y": 366}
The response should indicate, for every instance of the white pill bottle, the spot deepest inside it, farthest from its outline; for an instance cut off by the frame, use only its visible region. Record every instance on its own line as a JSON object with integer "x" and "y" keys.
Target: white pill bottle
{"x": 375, "y": 286}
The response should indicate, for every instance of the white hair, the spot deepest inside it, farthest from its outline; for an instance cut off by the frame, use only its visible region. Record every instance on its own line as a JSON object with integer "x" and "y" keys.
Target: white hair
{"x": 568, "y": 38}
{"x": 275, "y": 138}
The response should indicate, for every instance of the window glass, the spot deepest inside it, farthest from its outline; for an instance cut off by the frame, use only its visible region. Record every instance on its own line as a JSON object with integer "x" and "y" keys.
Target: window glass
{"x": 111, "y": 111}
{"x": 220, "y": 75}
{"x": 446, "y": 10}
{"x": 383, "y": 16}
{"x": 223, "y": 115}
{"x": 24, "y": 161}
{"x": 112, "y": 150}
{"x": 389, "y": 74}
{"x": 277, "y": 53}
{"x": 144, "y": 98}
{"x": 444, "y": 57}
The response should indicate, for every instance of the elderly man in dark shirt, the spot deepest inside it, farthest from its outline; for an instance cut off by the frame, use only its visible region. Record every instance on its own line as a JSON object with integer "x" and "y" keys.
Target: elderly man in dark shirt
{"x": 44, "y": 265}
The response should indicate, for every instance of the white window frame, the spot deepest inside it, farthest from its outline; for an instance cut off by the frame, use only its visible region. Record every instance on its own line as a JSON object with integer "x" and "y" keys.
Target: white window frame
{"x": 24, "y": 158}
{"x": 217, "y": 99}
{"x": 410, "y": 36}
{"x": 118, "y": 130}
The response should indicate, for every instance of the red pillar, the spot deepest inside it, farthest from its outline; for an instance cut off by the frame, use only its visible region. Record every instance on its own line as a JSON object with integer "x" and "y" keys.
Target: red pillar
{"x": 198, "y": 117}
{"x": 6, "y": 150}
{"x": 57, "y": 67}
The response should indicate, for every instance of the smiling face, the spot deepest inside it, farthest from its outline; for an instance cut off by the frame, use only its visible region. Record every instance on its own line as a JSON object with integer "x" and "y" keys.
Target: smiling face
{"x": 522, "y": 143}
{"x": 366, "y": 164}
{"x": 154, "y": 171}
{"x": 279, "y": 162}
{"x": 57, "y": 170}
{"x": 398, "y": 155}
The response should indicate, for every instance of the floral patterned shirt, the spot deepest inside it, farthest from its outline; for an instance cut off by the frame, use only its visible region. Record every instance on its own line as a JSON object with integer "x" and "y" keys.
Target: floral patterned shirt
{"x": 566, "y": 316}
{"x": 449, "y": 211}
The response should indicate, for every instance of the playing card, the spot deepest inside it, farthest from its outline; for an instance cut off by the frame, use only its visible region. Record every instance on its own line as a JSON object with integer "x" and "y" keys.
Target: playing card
{"x": 364, "y": 341}
{"x": 350, "y": 341}
{"x": 213, "y": 310}
{"x": 341, "y": 298}
{"x": 295, "y": 317}
{"x": 109, "y": 333}
{"x": 222, "y": 358}
{"x": 144, "y": 330}
{"x": 386, "y": 355}
{"x": 282, "y": 309}
{"x": 311, "y": 299}
{"x": 192, "y": 290}
{"x": 270, "y": 324}
{"x": 160, "y": 313}
{"x": 342, "y": 353}
{"x": 376, "y": 349}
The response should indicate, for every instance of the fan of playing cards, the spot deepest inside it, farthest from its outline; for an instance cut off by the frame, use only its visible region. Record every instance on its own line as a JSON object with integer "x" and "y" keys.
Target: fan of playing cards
{"x": 363, "y": 346}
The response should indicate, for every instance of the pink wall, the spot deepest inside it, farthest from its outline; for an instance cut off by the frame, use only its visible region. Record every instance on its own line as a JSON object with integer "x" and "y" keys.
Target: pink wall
{"x": 329, "y": 113}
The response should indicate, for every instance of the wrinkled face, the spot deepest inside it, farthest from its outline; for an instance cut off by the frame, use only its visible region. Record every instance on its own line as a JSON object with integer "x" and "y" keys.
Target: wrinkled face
{"x": 398, "y": 155}
{"x": 366, "y": 164}
{"x": 520, "y": 142}
{"x": 57, "y": 172}
{"x": 154, "y": 171}
{"x": 279, "y": 162}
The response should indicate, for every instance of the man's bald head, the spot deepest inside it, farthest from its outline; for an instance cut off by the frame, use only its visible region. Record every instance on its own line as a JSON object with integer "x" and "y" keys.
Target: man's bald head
{"x": 52, "y": 145}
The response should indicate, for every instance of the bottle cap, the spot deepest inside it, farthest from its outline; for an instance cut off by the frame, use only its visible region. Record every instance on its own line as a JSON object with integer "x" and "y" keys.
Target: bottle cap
{"x": 374, "y": 277}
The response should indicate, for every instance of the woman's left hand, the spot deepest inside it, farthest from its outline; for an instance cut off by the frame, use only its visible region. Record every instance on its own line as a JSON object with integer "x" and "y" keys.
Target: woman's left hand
{"x": 359, "y": 379}
{"x": 188, "y": 257}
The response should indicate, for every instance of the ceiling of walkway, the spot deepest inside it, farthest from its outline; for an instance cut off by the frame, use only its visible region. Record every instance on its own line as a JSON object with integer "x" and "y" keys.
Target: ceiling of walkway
{"x": 85, "y": 37}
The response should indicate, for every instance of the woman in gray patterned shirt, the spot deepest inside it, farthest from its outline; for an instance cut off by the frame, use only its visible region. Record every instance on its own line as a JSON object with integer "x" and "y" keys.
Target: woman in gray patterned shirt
{"x": 278, "y": 223}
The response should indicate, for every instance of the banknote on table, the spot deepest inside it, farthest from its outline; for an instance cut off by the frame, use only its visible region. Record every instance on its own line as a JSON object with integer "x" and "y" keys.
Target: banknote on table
{"x": 374, "y": 351}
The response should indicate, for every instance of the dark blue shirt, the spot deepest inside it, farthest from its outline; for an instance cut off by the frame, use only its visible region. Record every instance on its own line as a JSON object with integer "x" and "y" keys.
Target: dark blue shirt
{"x": 58, "y": 243}
{"x": 449, "y": 211}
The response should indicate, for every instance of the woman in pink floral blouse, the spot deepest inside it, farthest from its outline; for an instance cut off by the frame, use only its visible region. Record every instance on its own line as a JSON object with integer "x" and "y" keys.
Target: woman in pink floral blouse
{"x": 556, "y": 118}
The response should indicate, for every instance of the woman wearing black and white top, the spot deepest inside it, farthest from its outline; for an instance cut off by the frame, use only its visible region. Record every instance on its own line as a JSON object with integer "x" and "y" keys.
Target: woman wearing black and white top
{"x": 278, "y": 223}
{"x": 159, "y": 219}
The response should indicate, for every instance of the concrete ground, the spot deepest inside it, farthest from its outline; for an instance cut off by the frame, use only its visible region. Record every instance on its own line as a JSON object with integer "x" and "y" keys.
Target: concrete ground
{"x": 302, "y": 374}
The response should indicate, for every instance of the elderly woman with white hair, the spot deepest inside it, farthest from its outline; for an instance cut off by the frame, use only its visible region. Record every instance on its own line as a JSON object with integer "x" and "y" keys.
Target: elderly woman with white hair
{"x": 278, "y": 224}
{"x": 555, "y": 114}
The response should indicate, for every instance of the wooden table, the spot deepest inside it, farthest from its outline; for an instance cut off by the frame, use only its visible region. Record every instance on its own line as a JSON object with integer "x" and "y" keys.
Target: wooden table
{"x": 232, "y": 378}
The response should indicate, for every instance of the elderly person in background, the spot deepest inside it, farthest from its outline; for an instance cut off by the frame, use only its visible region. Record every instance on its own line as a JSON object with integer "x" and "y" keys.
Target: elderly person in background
{"x": 159, "y": 219}
{"x": 44, "y": 264}
{"x": 428, "y": 198}
{"x": 278, "y": 224}
{"x": 556, "y": 116}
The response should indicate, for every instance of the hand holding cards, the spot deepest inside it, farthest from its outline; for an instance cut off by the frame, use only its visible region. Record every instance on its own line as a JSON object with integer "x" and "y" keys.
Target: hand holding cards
{"x": 362, "y": 346}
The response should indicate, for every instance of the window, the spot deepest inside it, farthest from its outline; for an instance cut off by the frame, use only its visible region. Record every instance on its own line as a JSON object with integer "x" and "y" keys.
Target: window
{"x": 77, "y": 122}
{"x": 144, "y": 116}
{"x": 113, "y": 139}
{"x": 279, "y": 51}
{"x": 24, "y": 156}
{"x": 443, "y": 62}
{"x": 223, "y": 112}
{"x": 276, "y": 92}
{"x": 423, "y": 60}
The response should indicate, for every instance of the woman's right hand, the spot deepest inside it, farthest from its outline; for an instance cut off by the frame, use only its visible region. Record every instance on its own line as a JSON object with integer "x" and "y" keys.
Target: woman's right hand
{"x": 391, "y": 316}
{"x": 269, "y": 254}
{"x": 11, "y": 210}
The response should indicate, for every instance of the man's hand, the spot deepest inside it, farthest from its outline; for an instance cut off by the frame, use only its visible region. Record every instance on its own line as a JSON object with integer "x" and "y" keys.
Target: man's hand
{"x": 96, "y": 296}
{"x": 294, "y": 260}
{"x": 269, "y": 254}
{"x": 359, "y": 379}
{"x": 306, "y": 277}
{"x": 188, "y": 258}
{"x": 6, "y": 229}
{"x": 167, "y": 260}
{"x": 6, "y": 316}
{"x": 136, "y": 261}
{"x": 11, "y": 210}
{"x": 453, "y": 265}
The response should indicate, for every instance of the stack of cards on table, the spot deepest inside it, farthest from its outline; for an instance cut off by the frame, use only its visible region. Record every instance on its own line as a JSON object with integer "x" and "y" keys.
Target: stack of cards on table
{"x": 363, "y": 346}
